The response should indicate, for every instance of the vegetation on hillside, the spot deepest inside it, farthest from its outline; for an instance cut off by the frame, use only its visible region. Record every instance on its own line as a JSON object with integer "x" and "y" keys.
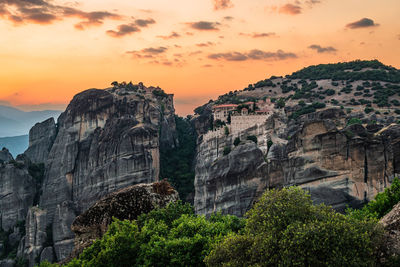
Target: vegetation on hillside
{"x": 349, "y": 71}
{"x": 283, "y": 228}
{"x": 177, "y": 164}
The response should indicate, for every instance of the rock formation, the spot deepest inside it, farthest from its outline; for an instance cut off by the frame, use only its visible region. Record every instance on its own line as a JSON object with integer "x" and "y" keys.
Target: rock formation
{"x": 41, "y": 138}
{"x": 338, "y": 166}
{"x": 125, "y": 204}
{"x": 17, "y": 191}
{"x": 106, "y": 140}
{"x": 391, "y": 226}
{"x": 5, "y": 155}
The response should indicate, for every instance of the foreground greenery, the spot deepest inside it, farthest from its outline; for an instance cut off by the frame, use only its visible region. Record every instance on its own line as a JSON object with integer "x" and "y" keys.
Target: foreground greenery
{"x": 283, "y": 228}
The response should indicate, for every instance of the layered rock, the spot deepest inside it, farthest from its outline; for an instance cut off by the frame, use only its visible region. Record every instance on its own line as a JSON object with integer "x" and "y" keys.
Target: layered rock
{"x": 41, "y": 138}
{"x": 230, "y": 183}
{"x": 337, "y": 166}
{"x": 17, "y": 191}
{"x": 125, "y": 204}
{"x": 104, "y": 141}
{"x": 31, "y": 245}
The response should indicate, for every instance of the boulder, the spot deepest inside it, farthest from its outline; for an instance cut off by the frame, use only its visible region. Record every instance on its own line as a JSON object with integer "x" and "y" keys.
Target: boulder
{"x": 125, "y": 204}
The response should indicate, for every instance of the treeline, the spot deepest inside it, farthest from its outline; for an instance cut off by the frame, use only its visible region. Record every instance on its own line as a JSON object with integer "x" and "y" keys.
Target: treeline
{"x": 283, "y": 228}
{"x": 349, "y": 71}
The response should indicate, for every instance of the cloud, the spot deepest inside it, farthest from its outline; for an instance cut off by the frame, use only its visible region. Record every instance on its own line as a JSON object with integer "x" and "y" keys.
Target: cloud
{"x": 204, "y": 25}
{"x": 222, "y": 4}
{"x": 171, "y": 36}
{"x": 207, "y": 66}
{"x": 320, "y": 49}
{"x": 229, "y": 18}
{"x": 362, "y": 23}
{"x": 149, "y": 52}
{"x": 205, "y": 44}
{"x": 259, "y": 35}
{"x": 127, "y": 29}
{"x": 124, "y": 29}
{"x": 45, "y": 12}
{"x": 144, "y": 22}
{"x": 254, "y": 54}
{"x": 290, "y": 9}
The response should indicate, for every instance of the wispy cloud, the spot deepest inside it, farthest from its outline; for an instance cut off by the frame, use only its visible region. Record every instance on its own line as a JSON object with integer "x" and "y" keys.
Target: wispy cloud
{"x": 320, "y": 49}
{"x": 149, "y": 52}
{"x": 204, "y": 25}
{"x": 222, "y": 4}
{"x": 259, "y": 35}
{"x": 362, "y": 23}
{"x": 123, "y": 30}
{"x": 45, "y": 12}
{"x": 254, "y": 54}
{"x": 173, "y": 35}
{"x": 290, "y": 9}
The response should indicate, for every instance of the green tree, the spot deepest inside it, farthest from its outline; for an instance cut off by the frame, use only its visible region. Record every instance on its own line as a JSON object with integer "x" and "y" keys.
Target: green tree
{"x": 172, "y": 236}
{"x": 227, "y": 150}
{"x": 284, "y": 228}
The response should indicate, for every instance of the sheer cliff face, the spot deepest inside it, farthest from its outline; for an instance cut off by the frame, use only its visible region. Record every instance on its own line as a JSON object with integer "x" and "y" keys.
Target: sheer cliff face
{"x": 106, "y": 140}
{"x": 338, "y": 166}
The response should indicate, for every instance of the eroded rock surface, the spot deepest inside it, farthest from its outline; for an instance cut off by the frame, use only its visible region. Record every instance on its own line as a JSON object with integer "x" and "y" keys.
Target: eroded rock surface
{"x": 127, "y": 203}
{"x": 338, "y": 165}
{"x": 5, "y": 155}
{"x": 41, "y": 138}
{"x": 17, "y": 191}
{"x": 391, "y": 226}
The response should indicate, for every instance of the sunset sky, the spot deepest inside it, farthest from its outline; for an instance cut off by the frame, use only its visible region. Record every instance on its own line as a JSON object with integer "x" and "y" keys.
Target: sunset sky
{"x": 195, "y": 49}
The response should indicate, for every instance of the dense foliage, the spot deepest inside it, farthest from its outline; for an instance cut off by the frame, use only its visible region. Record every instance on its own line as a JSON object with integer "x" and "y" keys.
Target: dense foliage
{"x": 177, "y": 164}
{"x": 307, "y": 109}
{"x": 285, "y": 229}
{"x": 173, "y": 236}
{"x": 381, "y": 205}
{"x": 349, "y": 71}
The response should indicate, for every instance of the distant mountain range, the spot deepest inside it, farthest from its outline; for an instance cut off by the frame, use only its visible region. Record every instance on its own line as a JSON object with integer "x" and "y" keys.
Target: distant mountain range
{"x": 16, "y": 144}
{"x": 15, "y": 122}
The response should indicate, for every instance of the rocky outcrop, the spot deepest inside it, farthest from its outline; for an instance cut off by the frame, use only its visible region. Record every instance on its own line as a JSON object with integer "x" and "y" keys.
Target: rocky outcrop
{"x": 5, "y": 155}
{"x": 125, "y": 204}
{"x": 104, "y": 141}
{"x": 338, "y": 166}
{"x": 391, "y": 238}
{"x": 41, "y": 138}
{"x": 232, "y": 182}
{"x": 31, "y": 245}
{"x": 17, "y": 191}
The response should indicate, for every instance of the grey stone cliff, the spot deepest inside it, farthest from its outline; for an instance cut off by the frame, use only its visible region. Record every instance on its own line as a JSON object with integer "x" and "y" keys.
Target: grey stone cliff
{"x": 41, "y": 138}
{"x": 338, "y": 165}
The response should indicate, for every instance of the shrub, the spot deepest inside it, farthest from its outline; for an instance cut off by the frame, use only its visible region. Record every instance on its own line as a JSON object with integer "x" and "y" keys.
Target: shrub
{"x": 354, "y": 121}
{"x": 381, "y": 205}
{"x": 252, "y": 138}
{"x": 368, "y": 110}
{"x": 226, "y": 130}
{"x": 227, "y": 150}
{"x": 284, "y": 228}
{"x": 236, "y": 142}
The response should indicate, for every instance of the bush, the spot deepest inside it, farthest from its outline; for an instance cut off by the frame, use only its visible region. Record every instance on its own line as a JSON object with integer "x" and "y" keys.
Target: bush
{"x": 227, "y": 150}
{"x": 173, "y": 236}
{"x": 226, "y": 130}
{"x": 354, "y": 121}
{"x": 236, "y": 142}
{"x": 284, "y": 228}
{"x": 381, "y": 205}
{"x": 252, "y": 138}
{"x": 368, "y": 110}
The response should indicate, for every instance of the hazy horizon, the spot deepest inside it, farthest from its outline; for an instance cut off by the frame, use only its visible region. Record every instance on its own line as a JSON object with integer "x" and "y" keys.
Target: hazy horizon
{"x": 195, "y": 50}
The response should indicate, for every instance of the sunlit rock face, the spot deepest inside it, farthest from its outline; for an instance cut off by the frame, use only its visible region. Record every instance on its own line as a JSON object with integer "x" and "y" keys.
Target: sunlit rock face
{"x": 339, "y": 165}
{"x": 105, "y": 140}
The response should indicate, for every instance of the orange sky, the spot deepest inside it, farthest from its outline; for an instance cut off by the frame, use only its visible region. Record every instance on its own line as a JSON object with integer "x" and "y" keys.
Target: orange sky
{"x": 197, "y": 49}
